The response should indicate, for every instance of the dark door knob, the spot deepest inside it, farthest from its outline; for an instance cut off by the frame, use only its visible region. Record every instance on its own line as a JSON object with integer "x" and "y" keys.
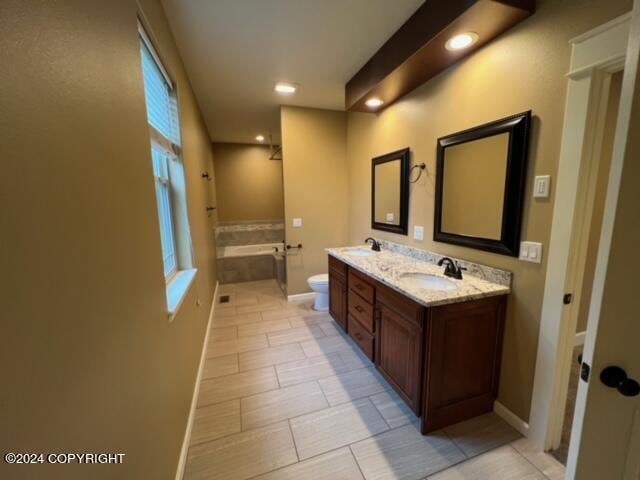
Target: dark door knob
{"x": 616, "y": 377}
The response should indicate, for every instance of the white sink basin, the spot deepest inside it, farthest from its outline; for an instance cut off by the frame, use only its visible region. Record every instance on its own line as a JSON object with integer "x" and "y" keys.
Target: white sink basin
{"x": 360, "y": 252}
{"x": 424, "y": 280}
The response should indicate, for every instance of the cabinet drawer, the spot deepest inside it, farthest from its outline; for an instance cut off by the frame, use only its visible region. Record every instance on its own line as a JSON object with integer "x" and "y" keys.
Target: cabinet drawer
{"x": 360, "y": 335}
{"x": 359, "y": 285}
{"x": 361, "y": 311}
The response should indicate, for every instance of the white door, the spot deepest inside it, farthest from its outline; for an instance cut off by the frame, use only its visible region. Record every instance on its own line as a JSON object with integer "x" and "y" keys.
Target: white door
{"x": 605, "y": 442}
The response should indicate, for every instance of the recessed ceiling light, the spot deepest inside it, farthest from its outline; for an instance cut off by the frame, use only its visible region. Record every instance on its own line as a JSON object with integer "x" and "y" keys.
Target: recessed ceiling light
{"x": 260, "y": 138}
{"x": 373, "y": 102}
{"x": 286, "y": 88}
{"x": 461, "y": 41}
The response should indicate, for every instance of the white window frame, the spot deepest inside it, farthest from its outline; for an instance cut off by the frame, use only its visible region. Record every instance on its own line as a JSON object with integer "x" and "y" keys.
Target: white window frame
{"x": 170, "y": 151}
{"x": 164, "y": 194}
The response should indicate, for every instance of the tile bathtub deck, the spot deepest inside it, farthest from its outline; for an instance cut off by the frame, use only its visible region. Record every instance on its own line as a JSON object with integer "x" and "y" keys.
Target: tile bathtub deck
{"x": 287, "y": 395}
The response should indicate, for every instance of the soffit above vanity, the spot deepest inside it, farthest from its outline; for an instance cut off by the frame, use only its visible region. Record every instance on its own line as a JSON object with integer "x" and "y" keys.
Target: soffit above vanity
{"x": 416, "y": 52}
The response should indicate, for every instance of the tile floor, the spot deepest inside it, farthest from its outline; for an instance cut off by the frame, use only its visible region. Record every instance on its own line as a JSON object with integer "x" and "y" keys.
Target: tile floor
{"x": 286, "y": 395}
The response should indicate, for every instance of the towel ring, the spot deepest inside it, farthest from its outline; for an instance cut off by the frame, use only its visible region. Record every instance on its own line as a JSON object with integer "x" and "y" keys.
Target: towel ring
{"x": 422, "y": 166}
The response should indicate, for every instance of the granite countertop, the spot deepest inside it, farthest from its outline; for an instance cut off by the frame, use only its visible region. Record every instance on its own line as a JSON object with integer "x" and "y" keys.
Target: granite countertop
{"x": 387, "y": 267}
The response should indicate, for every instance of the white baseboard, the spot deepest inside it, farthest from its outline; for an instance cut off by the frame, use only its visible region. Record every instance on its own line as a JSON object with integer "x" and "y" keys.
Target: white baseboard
{"x": 511, "y": 418}
{"x": 182, "y": 461}
{"x": 301, "y": 296}
{"x": 579, "y": 340}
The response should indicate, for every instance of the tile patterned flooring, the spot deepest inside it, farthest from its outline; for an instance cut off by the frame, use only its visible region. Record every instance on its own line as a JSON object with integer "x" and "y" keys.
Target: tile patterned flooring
{"x": 286, "y": 395}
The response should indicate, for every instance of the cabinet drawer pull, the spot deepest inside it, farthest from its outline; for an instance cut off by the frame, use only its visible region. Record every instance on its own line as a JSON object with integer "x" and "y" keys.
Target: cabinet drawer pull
{"x": 359, "y": 286}
{"x": 359, "y": 308}
{"x": 358, "y": 336}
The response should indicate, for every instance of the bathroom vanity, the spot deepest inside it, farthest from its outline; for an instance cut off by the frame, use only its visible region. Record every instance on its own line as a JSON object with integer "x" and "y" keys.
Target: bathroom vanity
{"x": 436, "y": 340}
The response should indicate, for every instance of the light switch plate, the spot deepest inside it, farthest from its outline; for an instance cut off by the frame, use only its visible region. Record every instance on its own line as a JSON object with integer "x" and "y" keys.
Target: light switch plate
{"x": 541, "y": 186}
{"x": 389, "y": 217}
{"x": 531, "y": 252}
{"x": 297, "y": 222}
{"x": 418, "y": 232}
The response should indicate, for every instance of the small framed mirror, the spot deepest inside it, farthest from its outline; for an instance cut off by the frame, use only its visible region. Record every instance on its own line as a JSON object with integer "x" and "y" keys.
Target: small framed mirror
{"x": 390, "y": 192}
{"x": 480, "y": 185}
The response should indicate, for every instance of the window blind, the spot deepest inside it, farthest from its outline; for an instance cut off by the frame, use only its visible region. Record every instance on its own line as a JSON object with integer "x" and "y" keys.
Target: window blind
{"x": 162, "y": 111}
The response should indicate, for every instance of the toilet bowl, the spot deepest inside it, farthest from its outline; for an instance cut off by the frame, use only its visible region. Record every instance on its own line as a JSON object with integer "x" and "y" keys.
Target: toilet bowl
{"x": 320, "y": 285}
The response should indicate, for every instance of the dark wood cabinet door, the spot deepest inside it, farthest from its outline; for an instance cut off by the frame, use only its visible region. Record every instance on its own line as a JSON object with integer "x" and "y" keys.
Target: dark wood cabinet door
{"x": 338, "y": 299}
{"x": 399, "y": 354}
{"x": 463, "y": 367}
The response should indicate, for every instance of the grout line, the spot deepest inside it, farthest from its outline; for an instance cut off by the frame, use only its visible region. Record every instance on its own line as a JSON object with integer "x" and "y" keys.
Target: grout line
{"x": 527, "y": 460}
{"x": 464, "y": 458}
{"x": 464, "y": 454}
{"x": 355, "y": 459}
{"x": 283, "y": 363}
{"x": 275, "y": 372}
{"x": 380, "y": 412}
{"x": 236, "y": 398}
{"x": 324, "y": 394}
{"x": 293, "y": 439}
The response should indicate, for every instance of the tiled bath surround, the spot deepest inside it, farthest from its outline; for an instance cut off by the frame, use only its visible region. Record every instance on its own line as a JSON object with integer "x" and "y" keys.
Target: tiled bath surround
{"x": 246, "y": 269}
{"x": 249, "y": 233}
{"x": 253, "y": 267}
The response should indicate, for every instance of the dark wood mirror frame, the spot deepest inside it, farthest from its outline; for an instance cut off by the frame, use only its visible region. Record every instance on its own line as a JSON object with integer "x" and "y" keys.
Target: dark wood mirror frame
{"x": 403, "y": 156}
{"x": 515, "y": 183}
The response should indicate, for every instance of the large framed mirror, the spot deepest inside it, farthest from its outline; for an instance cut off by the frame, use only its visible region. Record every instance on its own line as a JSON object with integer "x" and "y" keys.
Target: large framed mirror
{"x": 480, "y": 185}
{"x": 390, "y": 192}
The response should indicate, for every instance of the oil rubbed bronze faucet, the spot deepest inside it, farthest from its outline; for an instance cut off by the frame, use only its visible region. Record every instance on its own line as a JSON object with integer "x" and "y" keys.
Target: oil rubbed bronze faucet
{"x": 375, "y": 245}
{"x": 452, "y": 269}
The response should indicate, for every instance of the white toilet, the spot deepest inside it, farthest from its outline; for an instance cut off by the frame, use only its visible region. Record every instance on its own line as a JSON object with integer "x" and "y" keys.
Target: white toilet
{"x": 320, "y": 285}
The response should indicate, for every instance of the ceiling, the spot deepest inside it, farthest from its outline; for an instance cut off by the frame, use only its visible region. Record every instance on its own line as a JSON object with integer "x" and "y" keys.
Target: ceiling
{"x": 236, "y": 50}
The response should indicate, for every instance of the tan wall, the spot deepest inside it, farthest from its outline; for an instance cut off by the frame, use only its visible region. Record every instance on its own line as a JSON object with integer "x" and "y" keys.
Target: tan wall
{"x": 522, "y": 69}
{"x": 249, "y": 184}
{"x": 315, "y": 189}
{"x": 90, "y": 361}
{"x": 598, "y": 204}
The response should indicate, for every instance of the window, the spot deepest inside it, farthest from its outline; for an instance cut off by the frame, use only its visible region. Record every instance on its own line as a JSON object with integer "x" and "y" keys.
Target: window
{"x": 164, "y": 129}
{"x": 163, "y": 197}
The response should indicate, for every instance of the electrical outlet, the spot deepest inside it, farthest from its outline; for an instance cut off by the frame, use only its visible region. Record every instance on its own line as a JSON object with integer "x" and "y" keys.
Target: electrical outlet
{"x": 297, "y": 222}
{"x": 389, "y": 217}
{"x": 531, "y": 252}
{"x": 418, "y": 232}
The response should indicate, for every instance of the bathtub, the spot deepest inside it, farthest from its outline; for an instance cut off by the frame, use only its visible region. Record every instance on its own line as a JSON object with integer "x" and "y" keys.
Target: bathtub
{"x": 246, "y": 263}
{"x": 250, "y": 250}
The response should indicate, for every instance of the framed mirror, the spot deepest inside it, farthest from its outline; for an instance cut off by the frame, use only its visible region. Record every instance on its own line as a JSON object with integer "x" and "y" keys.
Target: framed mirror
{"x": 390, "y": 192}
{"x": 480, "y": 185}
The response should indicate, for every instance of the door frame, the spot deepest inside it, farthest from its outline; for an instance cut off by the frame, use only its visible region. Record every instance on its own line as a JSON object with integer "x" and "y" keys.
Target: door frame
{"x": 596, "y": 55}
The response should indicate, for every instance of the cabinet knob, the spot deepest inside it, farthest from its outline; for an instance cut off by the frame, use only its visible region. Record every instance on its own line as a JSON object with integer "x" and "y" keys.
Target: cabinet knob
{"x": 359, "y": 308}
